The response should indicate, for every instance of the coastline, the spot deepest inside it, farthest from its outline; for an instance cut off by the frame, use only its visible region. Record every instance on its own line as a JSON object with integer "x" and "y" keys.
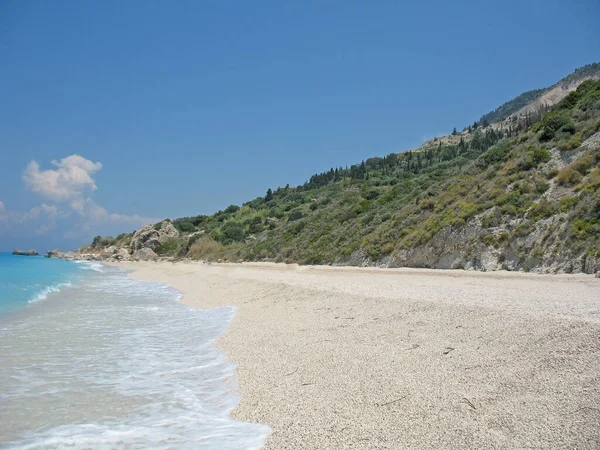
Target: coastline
{"x": 333, "y": 357}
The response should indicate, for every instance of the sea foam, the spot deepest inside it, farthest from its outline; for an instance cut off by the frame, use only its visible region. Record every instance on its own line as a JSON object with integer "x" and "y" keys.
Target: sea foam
{"x": 117, "y": 363}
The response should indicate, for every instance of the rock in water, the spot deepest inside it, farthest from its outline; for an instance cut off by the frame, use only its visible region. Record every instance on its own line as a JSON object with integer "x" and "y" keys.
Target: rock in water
{"x": 153, "y": 236}
{"x": 144, "y": 254}
{"x": 31, "y": 252}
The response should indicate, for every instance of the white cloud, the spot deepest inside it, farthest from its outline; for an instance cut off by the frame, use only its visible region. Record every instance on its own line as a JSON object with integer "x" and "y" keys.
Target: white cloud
{"x": 38, "y": 219}
{"x": 40, "y": 211}
{"x": 70, "y": 186}
{"x": 72, "y": 179}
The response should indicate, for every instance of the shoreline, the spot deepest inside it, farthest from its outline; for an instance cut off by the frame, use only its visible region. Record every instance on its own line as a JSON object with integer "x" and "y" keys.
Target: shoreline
{"x": 344, "y": 357}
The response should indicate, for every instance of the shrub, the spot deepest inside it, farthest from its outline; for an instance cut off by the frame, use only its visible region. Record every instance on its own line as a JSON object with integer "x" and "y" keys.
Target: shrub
{"x": 541, "y": 186}
{"x": 573, "y": 143}
{"x": 295, "y": 215}
{"x": 371, "y": 194}
{"x": 169, "y": 247}
{"x": 231, "y": 209}
{"x": 567, "y": 203}
{"x": 551, "y": 123}
{"x": 232, "y": 232}
{"x": 184, "y": 226}
{"x": 495, "y": 154}
{"x": 583, "y": 164}
{"x": 100, "y": 242}
{"x": 540, "y": 155}
{"x": 489, "y": 239}
{"x": 540, "y": 210}
{"x": 568, "y": 176}
{"x": 568, "y": 128}
{"x": 206, "y": 248}
{"x": 586, "y": 228}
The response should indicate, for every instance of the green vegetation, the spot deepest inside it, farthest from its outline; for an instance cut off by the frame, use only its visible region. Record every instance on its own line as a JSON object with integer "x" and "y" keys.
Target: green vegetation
{"x": 385, "y": 205}
{"x": 528, "y": 190}
{"x": 512, "y": 106}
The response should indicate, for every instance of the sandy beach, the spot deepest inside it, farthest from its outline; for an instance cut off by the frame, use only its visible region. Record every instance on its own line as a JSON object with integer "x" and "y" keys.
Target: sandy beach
{"x": 333, "y": 358}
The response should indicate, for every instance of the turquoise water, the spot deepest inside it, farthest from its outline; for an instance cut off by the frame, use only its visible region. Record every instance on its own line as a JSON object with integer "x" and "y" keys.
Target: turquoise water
{"x": 92, "y": 359}
{"x": 27, "y": 279}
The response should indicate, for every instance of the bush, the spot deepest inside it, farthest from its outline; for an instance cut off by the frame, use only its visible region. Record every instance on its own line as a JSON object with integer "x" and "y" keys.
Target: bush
{"x": 232, "y": 232}
{"x": 495, "y": 154}
{"x": 100, "y": 242}
{"x": 371, "y": 194}
{"x": 567, "y": 203}
{"x": 206, "y": 249}
{"x": 551, "y": 123}
{"x": 169, "y": 247}
{"x": 295, "y": 215}
{"x": 568, "y": 128}
{"x": 568, "y": 176}
{"x": 184, "y": 226}
{"x": 540, "y": 210}
{"x": 586, "y": 228}
{"x": 583, "y": 164}
{"x": 540, "y": 155}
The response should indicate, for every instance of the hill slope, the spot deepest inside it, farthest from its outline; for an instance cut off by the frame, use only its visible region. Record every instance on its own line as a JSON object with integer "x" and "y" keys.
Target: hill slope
{"x": 520, "y": 196}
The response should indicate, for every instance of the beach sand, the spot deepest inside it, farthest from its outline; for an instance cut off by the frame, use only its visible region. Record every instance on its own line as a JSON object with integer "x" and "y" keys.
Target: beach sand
{"x": 334, "y": 358}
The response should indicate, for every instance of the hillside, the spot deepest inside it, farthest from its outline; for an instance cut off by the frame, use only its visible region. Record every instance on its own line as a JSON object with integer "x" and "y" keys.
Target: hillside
{"x": 537, "y": 98}
{"x": 522, "y": 195}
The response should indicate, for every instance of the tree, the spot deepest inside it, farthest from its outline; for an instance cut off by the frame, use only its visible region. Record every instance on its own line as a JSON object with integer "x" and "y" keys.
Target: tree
{"x": 269, "y": 195}
{"x": 454, "y": 132}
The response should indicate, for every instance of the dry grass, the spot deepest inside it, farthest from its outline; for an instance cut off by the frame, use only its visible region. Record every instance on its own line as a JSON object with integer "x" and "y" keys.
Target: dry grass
{"x": 210, "y": 250}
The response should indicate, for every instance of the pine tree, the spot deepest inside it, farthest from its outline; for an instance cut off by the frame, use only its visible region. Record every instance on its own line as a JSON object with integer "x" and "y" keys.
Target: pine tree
{"x": 269, "y": 195}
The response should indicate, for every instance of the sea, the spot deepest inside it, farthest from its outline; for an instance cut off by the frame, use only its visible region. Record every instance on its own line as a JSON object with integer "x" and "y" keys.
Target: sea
{"x": 92, "y": 359}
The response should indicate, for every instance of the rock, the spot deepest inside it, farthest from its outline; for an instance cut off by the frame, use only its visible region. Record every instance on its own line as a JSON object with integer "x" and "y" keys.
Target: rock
{"x": 193, "y": 237}
{"x": 272, "y": 221}
{"x": 56, "y": 253}
{"x": 108, "y": 252}
{"x": 144, "y": 254}
{"x": 597, "y": 275}
{"x": 31, "y": 252}
{"x": 153, "y": 236}
{"x": 122, "y": 255}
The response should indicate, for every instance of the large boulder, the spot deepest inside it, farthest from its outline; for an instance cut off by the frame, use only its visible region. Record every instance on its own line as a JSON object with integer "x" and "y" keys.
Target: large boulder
{"x": 108, "y": 252}
{"x": 144, "y": 254}
{"x": 56, "y": 253}
{"x": 153, "y": 236}
{"x": 122, "y": 255}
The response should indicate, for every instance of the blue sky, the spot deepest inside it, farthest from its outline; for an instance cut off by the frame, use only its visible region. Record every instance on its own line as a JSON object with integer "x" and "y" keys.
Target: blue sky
{"x": 182, "y": 108}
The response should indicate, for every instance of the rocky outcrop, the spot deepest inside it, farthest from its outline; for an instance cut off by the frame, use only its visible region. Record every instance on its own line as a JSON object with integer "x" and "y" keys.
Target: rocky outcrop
{"x": 144, "y": 254}
{"x": 31, "y": 252}
{"x": 153, "y": 236}
{"x": 122, "y": 255}
{"x": 114, "y": 254}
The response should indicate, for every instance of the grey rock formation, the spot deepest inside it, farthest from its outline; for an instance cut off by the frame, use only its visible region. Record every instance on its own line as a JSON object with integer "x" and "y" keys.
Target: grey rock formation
{"x": 108, "y": 252}
{"x": 122, "y": 255}
{"x": 153, "y": 236}
{"x": 144, "y": 254}
{"x": 31, "y": 252}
